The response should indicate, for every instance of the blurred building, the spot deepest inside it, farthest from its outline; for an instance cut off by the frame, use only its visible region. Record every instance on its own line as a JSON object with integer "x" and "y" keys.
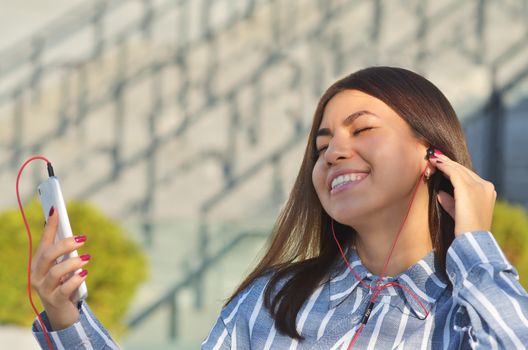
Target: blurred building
{"x": 187, "y": 119}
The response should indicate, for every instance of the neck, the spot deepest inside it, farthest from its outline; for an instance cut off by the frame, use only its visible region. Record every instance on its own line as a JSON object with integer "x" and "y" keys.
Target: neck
{"x": 375, "y": 238}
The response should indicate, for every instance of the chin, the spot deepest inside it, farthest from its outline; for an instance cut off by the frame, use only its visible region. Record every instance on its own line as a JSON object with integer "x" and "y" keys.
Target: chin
{"x": 351, "y": 214}
{"x": 344, "y": 216}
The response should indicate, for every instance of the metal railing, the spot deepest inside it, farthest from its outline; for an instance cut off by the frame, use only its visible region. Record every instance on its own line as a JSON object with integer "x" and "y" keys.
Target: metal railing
{"x": 169, "y": 299}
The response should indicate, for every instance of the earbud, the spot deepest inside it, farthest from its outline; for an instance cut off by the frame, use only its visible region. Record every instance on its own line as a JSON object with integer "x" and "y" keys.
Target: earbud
{"x": 430, "y": 152}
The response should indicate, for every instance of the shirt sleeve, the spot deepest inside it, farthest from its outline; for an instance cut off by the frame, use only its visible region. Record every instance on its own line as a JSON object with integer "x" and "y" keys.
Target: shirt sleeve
{"x": 88, "y": 330}
{"x": 486, "y": 286}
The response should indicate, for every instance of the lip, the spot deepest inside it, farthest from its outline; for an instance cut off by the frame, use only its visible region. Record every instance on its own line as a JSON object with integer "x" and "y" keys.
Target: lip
{"x": 333, "y": 175}
{"x": 347, "y": 186}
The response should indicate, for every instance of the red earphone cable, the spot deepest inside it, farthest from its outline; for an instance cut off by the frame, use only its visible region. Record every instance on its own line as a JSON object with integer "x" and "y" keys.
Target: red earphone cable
{"x": 46, "y": 335}
{"x": 378, "y": 288}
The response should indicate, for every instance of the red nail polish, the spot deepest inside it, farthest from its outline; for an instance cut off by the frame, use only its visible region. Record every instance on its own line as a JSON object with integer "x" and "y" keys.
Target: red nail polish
{"x": 83, "y": 273}
{"x": 439, "y": 161}
{"x": 51, "y": 211}
{"x": 437, "y": 151}
{"x": 80, "y": 239}
{"x": 85, "y": 257}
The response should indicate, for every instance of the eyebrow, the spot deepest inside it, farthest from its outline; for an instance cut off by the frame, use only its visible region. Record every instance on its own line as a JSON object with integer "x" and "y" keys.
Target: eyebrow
{"x": 348, "y": 120}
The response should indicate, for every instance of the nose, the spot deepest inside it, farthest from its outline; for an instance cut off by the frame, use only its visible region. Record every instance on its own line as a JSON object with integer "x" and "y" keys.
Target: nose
{"x": 338, "y": 149}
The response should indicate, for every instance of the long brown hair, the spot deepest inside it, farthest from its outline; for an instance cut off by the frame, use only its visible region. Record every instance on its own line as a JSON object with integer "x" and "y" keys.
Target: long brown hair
{"x": 301, "y": 249}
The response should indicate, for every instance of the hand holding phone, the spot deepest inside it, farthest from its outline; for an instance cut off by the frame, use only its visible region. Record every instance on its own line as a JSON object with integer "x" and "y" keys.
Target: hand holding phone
{"x": 50, "y": 195}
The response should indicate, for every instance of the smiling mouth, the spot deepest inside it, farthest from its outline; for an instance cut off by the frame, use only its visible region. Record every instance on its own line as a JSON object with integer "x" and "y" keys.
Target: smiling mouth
{"x": 347, "y": 180}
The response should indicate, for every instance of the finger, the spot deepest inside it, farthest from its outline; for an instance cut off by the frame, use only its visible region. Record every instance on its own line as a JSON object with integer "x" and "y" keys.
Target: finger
{"x": 466, "y": 173}
{"x": 49, "y": 233}
{"x": 483, "y": 184}
{"x": 447, "y": 202}
{"x": 47, "y": 239}
{"x": 462, "y": 177}
{"x": 53, "y": 252}
{"x": 60, "y": 273}
{"x": 50, "y": 230}
{"x": 68, "y": 288}
{"x": 453, "y": 171}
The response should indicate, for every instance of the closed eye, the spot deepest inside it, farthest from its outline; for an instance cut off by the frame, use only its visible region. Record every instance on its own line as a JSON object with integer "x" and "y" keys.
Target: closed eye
{"x": 356, "y": 132}
{"x": 321, "y": 149}
{"x": 361, "y": 130}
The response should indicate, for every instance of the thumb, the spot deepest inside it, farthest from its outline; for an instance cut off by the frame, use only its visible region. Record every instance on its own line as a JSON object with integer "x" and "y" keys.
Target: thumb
{"x": 50, "y": 230}
{"x": 447, "y": 202}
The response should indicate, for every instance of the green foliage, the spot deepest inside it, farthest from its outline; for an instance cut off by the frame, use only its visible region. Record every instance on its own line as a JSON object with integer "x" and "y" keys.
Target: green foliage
{"x": 116, "y": 269}
{"x": 510, "y": 228}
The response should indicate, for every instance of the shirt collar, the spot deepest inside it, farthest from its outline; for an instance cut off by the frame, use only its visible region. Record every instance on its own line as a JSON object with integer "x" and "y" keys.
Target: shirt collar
{"x": 423, "y": 279}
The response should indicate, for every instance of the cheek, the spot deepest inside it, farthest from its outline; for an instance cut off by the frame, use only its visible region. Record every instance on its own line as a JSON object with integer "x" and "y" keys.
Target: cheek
{"x": 397, "y": 173}
{"x": 318, "y": 177}
{"x": 386, "y": 154}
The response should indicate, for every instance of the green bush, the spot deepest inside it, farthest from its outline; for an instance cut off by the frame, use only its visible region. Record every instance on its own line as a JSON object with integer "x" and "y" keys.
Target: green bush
{"x": 116, "y": 269}
{"x": 510, "y": 228}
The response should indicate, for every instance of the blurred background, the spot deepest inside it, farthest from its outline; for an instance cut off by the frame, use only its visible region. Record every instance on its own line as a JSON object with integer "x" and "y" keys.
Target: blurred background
{"x": 185, "y": 121}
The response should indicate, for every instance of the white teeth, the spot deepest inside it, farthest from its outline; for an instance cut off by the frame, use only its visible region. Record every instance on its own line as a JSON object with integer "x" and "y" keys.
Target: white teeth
{"x": 343, "y": 179}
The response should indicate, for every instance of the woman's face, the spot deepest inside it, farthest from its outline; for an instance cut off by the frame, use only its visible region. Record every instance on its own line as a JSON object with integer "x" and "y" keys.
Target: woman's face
{"x": 368, "y": 159}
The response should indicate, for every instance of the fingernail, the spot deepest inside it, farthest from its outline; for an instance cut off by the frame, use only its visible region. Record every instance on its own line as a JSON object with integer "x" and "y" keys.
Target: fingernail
{"x": 83, "y": 273}
{"x": 80, "y": 239}
{"x": 437, "y": 152}
{"x": 51, "y": 211}
{"x": 85, "y": 257}
{"x": 439, "y": 161}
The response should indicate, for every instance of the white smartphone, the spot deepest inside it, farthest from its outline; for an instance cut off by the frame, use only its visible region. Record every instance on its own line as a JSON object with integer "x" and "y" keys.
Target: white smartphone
{"x": 50, "y": 195}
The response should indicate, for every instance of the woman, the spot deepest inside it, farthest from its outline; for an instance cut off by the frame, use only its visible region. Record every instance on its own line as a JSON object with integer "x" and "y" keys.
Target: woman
{"x": 382, "y": 244}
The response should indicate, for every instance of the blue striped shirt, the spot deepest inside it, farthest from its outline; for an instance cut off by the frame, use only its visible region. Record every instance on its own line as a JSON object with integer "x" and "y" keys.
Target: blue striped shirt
{"x": 87, "y": 333}
{"x": 481, "y": 306}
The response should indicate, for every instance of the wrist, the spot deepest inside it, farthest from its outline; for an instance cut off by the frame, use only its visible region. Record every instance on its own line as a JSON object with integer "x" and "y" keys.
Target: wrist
{"x": 62, "y": 318}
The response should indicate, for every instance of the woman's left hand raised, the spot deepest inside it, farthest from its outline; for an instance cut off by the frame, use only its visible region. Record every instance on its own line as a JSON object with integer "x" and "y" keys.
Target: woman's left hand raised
{"x": 474, "y": 198}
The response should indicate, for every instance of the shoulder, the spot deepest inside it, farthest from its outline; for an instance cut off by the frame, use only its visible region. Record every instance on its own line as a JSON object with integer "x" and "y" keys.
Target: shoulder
{"x": 247, "y": 298}
{"x": 250, "y": 300}
{"x": 240, "y": 315}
